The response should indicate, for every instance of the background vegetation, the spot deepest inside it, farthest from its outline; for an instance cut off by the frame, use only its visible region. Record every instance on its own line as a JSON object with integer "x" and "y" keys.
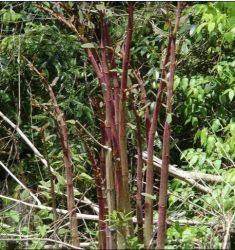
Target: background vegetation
{"x": 46, "y": 49}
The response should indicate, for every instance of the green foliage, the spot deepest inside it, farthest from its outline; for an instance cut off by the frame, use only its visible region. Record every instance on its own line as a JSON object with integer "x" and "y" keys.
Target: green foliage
{"x": 202, "y": 120}
{"x": 120, "y": 220}
{"x": 187, "y": 236}
{"x": 132, "y": 243}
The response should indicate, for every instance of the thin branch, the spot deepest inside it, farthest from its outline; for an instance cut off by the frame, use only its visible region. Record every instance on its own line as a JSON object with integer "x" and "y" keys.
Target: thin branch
{"x": 91, "y": 217}
{"x": 20, "y": 183}
{"x": 58, "y": 210}
{"x": 85, "y": 199}
{"x": 229, "y": 222}
{"x": 25, "y": 138}
{"x": 92, "y": 54}
{"x": 17, "y": 237}
{"x": 92, "y": 137}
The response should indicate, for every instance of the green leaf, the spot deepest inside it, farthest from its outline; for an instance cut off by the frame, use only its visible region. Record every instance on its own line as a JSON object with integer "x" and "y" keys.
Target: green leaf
{"x": 194, "y": 121}
{"x": 25, "y": 230}
{"x": 71, "y": 121}
{"x": 193, "y": 160}
{"x": 37, "y": 244}
{"x": 45, "y": 214}
{"x": 211, "y": 26}
{"x": 88, "y": 46}
{"x": 233, "y": 30}
{"x": 152, "y": 197}
{"x": 231, "y": 94}
{"x": 77, "y": 193}
{"x": 25, "y": 194}
{"x": 229, "y": 36}
{"x": 217, "y": 164}
{"x": 202, "y": 158}
{"x": 60, "y": 179}
{"x": 14, "y": 215}
{"x": 172, "y": 199}
{"x": 184, "y": 83}
{"x": 169, "y": 118}
{"x": 200, "y": 27}
{"x": 228, "y": 203}
{"x": 10, "y": 16}
{"x": 210, "y": 144}
{"x": 176, "y": 82}
{"x": 85, "y": 177}
{"x": 63, "y": 231}
{"x": 216, "y": 125}
{"x": 42, "y": 229}
{"x": 203, "y": 136}
{"x": 132, "y": 126}
{"x": 232, "y": 129}
{"x": 40, "y": 117}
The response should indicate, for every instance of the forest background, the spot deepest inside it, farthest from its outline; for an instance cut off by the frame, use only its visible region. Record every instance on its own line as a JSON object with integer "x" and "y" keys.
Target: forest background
{"x": 100, "y": 105}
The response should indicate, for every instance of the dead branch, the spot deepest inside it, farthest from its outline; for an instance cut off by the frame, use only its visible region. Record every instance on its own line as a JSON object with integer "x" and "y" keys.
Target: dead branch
{"x": 92, "y": 217}
{"x": 190, "y": 177}
{"x": 179, "y": 173}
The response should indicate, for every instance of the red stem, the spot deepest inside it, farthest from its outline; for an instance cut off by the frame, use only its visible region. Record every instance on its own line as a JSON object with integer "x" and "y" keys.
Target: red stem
{"x": 144, "y": 101}
{"x": 125, "y": 199}
{"x": 150, "y": 150}
{"x": 123, "y": 203}
{"x": 109, "y": 122}
{"x": 114, "y": 75}
{"x": 63, "y": 132}
{"x": 115, "y": 112}
{"x": 100, "y": 195}
{"x": 162, "y": 204}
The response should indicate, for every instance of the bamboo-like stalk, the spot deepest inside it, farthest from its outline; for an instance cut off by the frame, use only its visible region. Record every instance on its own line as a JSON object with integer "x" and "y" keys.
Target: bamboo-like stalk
{"x": 100, "y": 194}
{"x": 109, "y": 129}
{"x": 139, "y": 176}
{"x": 63, "y": 132}
{"x": 125, "y": 199}
{"x": 68, "y": 169}
{"x": 124, "y": 202}
{"x": 113, "y": 74}
{"x": 148, "y": 225}
{"x": 116, "y": 99}
{"x": 162, "y": 204}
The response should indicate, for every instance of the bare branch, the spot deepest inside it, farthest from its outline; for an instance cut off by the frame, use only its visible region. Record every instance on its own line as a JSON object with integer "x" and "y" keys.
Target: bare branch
{"x": 25, "y": 138}
{"x": 181, "y": 174}
{"x": 20, "y": 183}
